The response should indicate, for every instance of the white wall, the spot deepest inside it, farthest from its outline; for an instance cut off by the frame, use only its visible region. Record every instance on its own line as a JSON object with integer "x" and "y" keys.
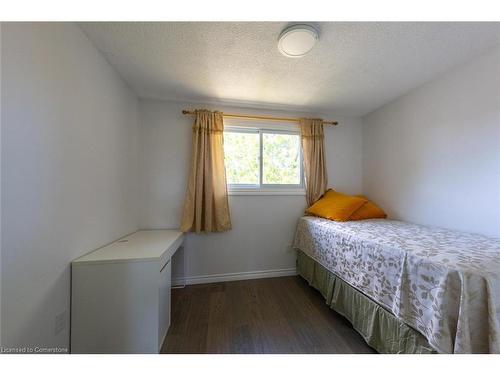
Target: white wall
{"x": 263, "y": 226}
{"x": 69, "y": 169}
{"x": 433, "y": 155}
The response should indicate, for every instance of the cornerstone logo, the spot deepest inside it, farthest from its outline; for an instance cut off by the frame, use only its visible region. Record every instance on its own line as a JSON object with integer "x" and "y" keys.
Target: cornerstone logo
{"x": 32, "y": 350}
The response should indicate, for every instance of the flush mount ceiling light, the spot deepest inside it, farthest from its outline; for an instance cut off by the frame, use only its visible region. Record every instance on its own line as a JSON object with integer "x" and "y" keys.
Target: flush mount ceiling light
{"x": 297, "y": 40}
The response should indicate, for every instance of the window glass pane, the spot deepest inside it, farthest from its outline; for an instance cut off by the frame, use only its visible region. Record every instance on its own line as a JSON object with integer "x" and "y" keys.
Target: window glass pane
{"x": 281, "y": 159}
{"x": 241, "y": 152}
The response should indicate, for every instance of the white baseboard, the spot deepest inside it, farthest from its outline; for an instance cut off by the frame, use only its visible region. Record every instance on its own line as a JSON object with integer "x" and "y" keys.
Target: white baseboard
{"x": 234, "y": 276}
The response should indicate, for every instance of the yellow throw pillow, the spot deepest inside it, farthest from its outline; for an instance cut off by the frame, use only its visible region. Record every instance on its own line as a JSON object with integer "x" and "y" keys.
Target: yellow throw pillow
{"x": 336, "y": 206}
{"x": 369, "y": 210}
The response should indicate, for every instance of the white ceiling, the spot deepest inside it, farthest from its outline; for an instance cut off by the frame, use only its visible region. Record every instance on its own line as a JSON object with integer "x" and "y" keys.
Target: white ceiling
{"x": 354, "y": 69}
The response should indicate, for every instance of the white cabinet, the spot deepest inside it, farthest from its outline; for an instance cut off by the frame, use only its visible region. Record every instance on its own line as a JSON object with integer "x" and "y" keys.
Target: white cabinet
{"x": 120, "y": 300}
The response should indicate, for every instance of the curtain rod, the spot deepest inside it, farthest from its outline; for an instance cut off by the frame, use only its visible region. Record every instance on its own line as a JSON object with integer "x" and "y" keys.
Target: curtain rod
{"x": 254, "y": 117}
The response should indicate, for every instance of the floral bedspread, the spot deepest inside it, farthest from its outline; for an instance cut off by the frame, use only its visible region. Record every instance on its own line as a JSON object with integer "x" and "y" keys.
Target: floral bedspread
{"x": 443, "y": 283}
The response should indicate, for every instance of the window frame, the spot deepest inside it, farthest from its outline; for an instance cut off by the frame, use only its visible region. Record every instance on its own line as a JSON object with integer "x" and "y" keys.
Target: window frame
{"x": 262, "y": 128}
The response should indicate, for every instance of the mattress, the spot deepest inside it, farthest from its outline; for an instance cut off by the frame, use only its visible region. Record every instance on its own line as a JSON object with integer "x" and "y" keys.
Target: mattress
{"x": 443, "y": 283}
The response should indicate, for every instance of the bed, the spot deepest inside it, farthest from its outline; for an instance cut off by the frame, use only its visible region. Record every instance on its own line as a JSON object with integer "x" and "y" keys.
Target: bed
{"x": 439, "y": 289}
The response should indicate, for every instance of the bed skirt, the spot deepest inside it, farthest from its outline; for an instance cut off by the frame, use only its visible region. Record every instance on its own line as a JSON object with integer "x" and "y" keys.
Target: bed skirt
{"x": 381, "y": 330}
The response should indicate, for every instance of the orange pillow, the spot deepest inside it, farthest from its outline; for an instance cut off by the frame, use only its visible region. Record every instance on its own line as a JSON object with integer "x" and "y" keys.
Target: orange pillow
{"x": 369, "y": 210}
{"x": 336, "y": 206}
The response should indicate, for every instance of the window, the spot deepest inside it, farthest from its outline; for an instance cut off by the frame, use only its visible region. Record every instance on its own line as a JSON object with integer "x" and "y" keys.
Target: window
{"x": 263, "y": 160}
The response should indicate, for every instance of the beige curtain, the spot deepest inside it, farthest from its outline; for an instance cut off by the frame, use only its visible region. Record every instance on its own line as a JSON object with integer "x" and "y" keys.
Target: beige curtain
{"x": 313, "y": 153}
{"x": 206, "y": 207}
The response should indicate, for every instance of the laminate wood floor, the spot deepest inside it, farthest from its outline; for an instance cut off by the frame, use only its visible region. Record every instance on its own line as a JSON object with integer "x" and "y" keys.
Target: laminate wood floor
{"x": 276, "y": 315}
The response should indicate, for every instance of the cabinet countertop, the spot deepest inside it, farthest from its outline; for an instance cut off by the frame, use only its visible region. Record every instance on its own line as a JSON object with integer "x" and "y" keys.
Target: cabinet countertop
{"x": 139, "y": 246}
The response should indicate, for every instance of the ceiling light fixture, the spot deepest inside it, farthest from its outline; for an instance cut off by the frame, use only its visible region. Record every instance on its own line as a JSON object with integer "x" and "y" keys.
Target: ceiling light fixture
{"x": 297, "y": 40}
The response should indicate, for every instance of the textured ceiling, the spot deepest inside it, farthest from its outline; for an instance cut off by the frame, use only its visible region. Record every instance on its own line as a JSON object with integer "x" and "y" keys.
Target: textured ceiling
{"x": 354, "y": 69}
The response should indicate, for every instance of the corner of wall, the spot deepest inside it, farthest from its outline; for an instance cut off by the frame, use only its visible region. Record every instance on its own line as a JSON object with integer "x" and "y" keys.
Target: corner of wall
{"x": 0, "y": 184}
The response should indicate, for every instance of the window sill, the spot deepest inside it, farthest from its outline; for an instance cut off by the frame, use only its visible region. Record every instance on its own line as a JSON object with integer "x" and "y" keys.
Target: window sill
{"x": 266, "y": 192}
